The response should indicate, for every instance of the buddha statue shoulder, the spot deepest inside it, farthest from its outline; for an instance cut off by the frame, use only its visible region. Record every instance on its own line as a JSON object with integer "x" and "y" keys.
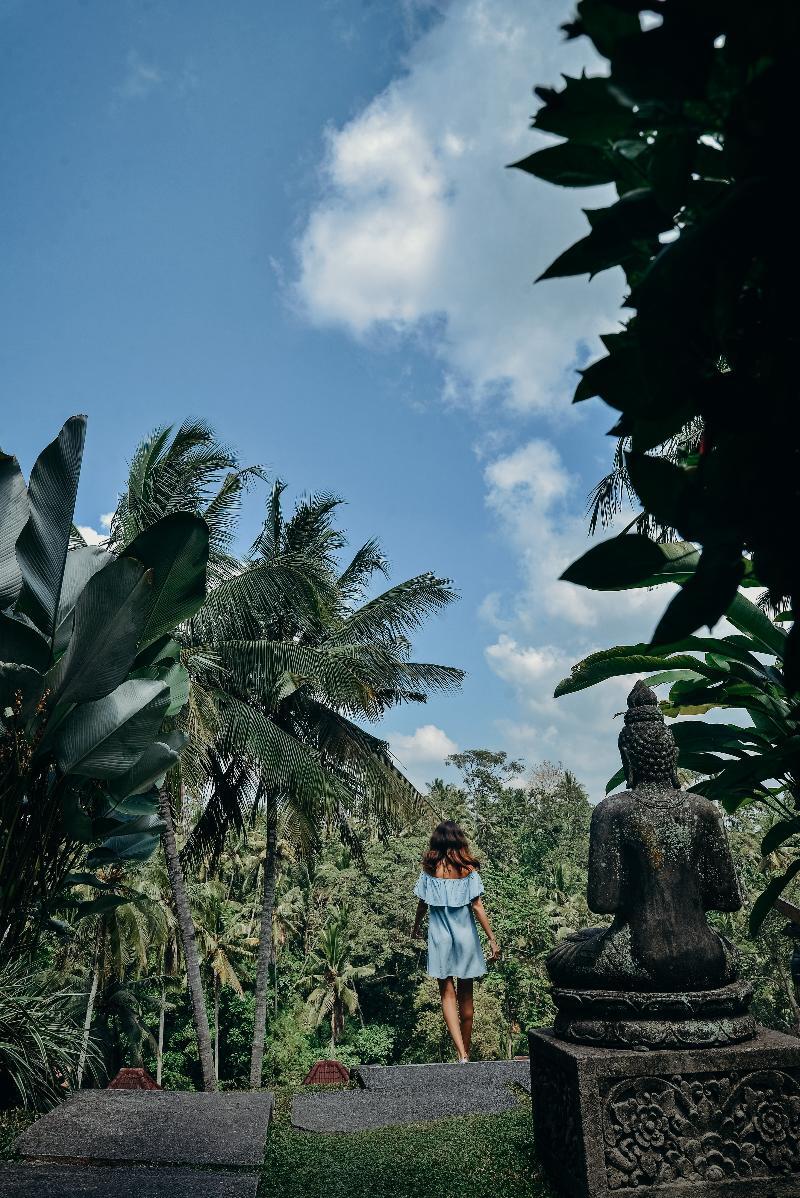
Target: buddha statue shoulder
{"x": 659, "y": 859}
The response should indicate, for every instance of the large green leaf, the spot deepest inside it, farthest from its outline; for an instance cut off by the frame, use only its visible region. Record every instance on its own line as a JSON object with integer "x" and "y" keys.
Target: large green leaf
{"x": 672, "y": 676}
{"x": 615, "y": 781}
{"x": 632, "y": 560}
{"x": 174, "y": 675}
{"x": 662, "y": 487}
{"x": 176, "y": 550}
{"x": 109, "y": 617}
{"x": 13, "y": 517}
{"x": 705, "y": 736}
{"x": 759, "y": 767}
{"x": 586, "y": 109}
{"x": 165, "y": 649}
{"x": 82, "y": 563}
{"x": 615, "y": 236}
{"x": 151, "y": 767}
{"x": 606, "y": 22}
{"x": 622, "y": 660}
{"x": 617, "y": 379}
{"x": 570, "y": 165}
{"x": 135, "y": 829}
{"x": 104, "y": 738}
{"x": 765, "y": 901}
{"x": 616, "y": 564}
{"x": 177, "y": 679}
{"x": 22, "y": 643}
{"x": 705, "y": 597}
{"x": 44, "y": 541}
{"x": 124, "y": 848}
{"x": 779, "y": 833}
{"x": 114, "y": 823}
{"x": 749, "y": 618}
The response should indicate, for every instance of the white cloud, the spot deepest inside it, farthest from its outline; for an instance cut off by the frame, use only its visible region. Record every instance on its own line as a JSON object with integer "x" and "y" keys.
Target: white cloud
{"x": 91, "y": 536}
{"x": 579, "y": 730}
{"x": 141, "y": 78}
{"x": 105, "y": 520}
{"x": 539, "y": 506}
{"x": 548, "y": 625}
{"x": 525, "y": 665}
{"x": 419, "y": 227}
{"x": 421, "y": 754}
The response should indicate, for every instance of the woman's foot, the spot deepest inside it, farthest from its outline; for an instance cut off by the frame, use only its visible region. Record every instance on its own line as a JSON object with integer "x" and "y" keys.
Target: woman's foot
{"x": 463, "y": 1060}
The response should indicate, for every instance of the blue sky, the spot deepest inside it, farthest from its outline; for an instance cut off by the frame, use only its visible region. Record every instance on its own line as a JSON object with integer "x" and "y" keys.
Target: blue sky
{"x": 294, "y": 221}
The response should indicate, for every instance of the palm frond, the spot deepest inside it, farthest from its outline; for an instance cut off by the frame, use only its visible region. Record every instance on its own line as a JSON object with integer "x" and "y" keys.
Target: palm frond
{"x": 234, "y": 788}
{"x": 403, "y": 608}
{"x": 268, "y": 542}
{"x": 358, "y": 573}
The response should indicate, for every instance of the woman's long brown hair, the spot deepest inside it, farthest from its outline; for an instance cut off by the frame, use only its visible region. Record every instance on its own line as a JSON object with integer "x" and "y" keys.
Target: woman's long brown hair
{"x": 449, "y": 844}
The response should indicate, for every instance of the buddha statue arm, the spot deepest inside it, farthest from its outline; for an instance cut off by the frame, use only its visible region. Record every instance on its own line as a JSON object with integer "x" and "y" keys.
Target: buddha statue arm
{"x": 605, "y": 861}
{"x": 719, "y": 880}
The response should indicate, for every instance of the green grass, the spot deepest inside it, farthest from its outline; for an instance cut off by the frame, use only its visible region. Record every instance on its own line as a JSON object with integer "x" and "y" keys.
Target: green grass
{"x": 12, "y": 1124}
{"x": 479, "y": 1156}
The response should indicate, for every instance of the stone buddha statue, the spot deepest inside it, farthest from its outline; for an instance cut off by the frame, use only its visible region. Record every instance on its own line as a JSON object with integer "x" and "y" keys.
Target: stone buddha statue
{"x": 659, "y": 859}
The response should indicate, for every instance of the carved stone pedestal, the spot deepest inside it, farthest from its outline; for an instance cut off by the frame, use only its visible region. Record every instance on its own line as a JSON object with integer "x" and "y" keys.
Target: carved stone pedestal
{"x": 720, "y": 1122}
{"x": 627, "y": 1019}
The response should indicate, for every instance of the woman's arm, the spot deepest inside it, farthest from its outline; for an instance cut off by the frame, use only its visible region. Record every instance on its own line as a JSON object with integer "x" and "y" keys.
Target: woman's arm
{"x": 421, "y": 909}
{"x": 483, "y": 920}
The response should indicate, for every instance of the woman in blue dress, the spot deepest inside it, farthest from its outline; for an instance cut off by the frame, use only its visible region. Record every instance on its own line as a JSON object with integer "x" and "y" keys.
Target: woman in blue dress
{"x": 450, "y": 887}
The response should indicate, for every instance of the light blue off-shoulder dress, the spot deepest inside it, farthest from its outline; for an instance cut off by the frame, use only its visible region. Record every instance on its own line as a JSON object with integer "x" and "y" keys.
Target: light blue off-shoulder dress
{"x": 454, "y": 949}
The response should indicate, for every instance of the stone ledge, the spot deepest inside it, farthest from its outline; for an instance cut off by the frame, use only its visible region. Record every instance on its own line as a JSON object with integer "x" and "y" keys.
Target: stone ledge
{"x": 695, "y": 1123}
{"x": 89, "y": 1181}
{"x": 443, "y": 1075}
{"x": 351, "y": 1111}
{"x": 153, "y": 1127}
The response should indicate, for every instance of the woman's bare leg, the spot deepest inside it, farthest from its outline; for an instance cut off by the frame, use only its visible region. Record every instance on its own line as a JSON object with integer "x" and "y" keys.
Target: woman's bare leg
{"x": 447, "y": 992}
{"x": 465, "y": 1011}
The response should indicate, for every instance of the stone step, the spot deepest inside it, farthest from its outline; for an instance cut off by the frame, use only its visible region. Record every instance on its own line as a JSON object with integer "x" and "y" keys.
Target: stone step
{"x": 361, "y": 1110}
{"x": 111, "y": 1181}
{"x": 444, "y": 1075}
{"x": 153, "y": 1127}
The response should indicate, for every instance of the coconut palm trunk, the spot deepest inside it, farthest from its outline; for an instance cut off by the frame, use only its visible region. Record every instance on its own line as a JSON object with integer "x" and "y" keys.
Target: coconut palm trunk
{"x": 216, "y": 1026}
{"x": 87, "y": 1022}
{"x": 188, "y": 943}
{"x": 264, "y": 948}
{"x": 161, "y": 1013}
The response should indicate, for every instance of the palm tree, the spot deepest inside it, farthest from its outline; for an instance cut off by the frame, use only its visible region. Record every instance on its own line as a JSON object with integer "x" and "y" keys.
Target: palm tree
{"x": 153, "y": 880}
{"x": 332, "y": 976}
{"x": 189, "y": 470}
{"x": 120, "y": 929}
{"x": 222, "y": 935}
{"x": 305, "y": 675}
{"x": 286, "y": 920}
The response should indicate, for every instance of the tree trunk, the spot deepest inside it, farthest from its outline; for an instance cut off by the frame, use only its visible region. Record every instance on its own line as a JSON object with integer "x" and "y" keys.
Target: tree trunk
{"x": 264, "y": 949}
{"x": 216, "y": 1026}
{"x": 275, "y": 982}
{"x": 188, "y": 943}
{"x": 87, "y": 1022}
{"x": 161, "y": 1011}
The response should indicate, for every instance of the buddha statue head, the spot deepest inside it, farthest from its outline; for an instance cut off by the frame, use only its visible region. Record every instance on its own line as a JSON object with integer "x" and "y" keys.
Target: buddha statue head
{"x": 646, "y": 745}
